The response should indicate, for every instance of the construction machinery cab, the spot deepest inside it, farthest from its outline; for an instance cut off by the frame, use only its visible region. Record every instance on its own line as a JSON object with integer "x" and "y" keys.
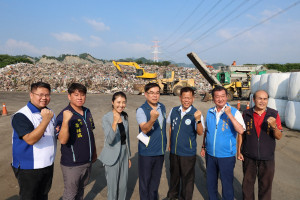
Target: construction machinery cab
{"x": 171, "y": 85}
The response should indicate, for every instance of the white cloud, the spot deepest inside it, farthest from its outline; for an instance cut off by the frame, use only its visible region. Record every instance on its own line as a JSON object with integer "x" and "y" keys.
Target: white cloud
{"x": 19, "y": 47}
{"x": 67, "y": 37}
{"x": 122, "y": 49}
{"x": 99, "y": 26}
{"x": 15, "y": 47}
{"x": 226, "y": 34}
{"x": 95, "y": 41}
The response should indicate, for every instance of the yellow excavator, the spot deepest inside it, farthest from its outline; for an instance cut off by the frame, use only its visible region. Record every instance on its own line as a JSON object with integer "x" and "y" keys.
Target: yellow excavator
{"x": 140, "y": 72}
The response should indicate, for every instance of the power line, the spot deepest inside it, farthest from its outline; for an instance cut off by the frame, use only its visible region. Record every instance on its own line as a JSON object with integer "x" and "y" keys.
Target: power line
{"x": 232, "y": 19}
{"x": 183, "y": 22}
{"x": 213, "y": 26}
{"x": 252, "y": 27}
{"x": 192, "y": 27}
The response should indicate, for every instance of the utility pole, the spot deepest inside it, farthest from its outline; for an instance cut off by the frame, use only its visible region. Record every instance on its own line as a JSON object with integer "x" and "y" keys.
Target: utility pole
{"x": 155, "y": 51}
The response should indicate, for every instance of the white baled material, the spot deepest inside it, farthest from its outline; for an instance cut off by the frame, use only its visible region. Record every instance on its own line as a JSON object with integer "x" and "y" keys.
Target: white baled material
{"x": 263, "y": 83}
{"x": 294, "y": 87}
{"x": 280, "y": 106}
{"x": 277, "y": 85}
{"x": 255, "y": 79}
{"x": 292, "y": 115}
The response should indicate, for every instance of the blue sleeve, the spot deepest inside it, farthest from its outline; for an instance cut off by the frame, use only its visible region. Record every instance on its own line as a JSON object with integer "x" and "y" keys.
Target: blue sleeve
{"x": 140, "y": 116}
{"x": 22, "y": 125}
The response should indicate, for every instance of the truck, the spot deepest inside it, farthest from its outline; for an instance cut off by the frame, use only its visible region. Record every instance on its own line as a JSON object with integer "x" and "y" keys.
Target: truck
{"x": 140, "y": 72}
{"x": 235, "y": 79}
{"x": 171, "y": 85}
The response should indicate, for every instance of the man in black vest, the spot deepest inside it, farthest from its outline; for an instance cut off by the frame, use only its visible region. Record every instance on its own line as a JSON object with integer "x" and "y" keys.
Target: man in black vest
{"x": 256, "y": 146}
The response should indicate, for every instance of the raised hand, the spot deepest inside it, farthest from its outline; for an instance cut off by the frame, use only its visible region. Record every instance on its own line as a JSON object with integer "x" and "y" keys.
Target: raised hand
{"x": 272, "y": 122}
{"x": 67, "y": 115}
{"x": 46, "y": 114}
{"x": 154, "y": 114}
{"x": 227, "y": 110}
{"x": 117, "y": 117}
{"x": 197, "y": 115}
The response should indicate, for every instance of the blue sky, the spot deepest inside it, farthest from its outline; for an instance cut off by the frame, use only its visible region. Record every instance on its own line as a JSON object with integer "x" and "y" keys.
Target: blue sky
{"x": 217, "y": 30}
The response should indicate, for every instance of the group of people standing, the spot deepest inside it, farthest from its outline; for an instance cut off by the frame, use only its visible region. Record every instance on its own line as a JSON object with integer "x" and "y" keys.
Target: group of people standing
{"x": 36, "y": 129}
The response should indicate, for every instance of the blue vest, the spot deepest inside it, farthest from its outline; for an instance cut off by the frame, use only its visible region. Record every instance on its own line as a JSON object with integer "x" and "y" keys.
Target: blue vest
{"x": 220, "y": 138}
{"x": 183, "y": 135}
{"x": 158, "y": 138}
{"x": 42, "y": 153}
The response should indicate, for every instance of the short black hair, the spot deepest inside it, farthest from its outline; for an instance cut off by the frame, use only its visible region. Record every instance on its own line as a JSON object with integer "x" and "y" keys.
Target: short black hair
{"x": 76, "y": 86}
{"x": 254, "y": 95}
{"x": 187, "y": 89}
{"x": 40, "y": 84}
{"x": 148, "y": 86}
{"x": 218, "y": 88}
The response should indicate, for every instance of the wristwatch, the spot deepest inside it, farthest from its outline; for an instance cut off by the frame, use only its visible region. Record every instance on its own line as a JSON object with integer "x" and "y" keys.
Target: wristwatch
{"x": 199, "y": 121}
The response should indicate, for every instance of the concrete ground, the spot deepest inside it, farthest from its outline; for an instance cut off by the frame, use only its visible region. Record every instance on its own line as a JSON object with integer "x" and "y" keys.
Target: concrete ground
{"x": 286, "y": 183}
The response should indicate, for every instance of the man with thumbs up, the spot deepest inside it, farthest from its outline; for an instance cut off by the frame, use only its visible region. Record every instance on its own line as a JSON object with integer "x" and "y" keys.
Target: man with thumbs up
{"x": 151, "y": 117}
{"x": 186, "y": 122}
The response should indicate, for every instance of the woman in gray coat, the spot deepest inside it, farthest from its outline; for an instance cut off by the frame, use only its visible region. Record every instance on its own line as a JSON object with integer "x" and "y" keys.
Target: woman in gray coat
{"x": 116, "y": 151}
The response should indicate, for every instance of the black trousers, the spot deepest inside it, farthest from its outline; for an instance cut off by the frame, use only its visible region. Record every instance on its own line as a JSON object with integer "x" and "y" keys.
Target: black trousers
{"x": 34, "y": 184}
{"x": 150, "y": 168}
{"x": 182, "y": 168}
{"x": 264, "y": 170}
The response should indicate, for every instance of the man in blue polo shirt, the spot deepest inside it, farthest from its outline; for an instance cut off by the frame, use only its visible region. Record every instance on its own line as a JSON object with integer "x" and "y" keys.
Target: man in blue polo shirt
{"x": 185, "y": 123}
{"x": 151, "y": 117}
{"x": 74, "y": 126}
{"x": 223, "y": 123}
{"x": 34, "y": 144}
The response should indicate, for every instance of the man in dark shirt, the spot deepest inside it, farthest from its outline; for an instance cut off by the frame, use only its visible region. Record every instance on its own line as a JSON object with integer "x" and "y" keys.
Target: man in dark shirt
{"x": 34, "y": 144}
{"x": 74, "y": 127}
{"x": 256, "y": 147}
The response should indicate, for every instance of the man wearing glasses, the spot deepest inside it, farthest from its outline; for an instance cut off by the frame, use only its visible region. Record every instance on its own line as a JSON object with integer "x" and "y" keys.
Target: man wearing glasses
{"x": 151, "y": 117}
{"x": 34, "y": 144}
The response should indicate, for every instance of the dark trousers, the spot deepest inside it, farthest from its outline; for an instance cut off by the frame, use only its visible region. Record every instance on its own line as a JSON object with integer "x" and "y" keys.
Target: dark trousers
{"x": 264, "y": 170}
{"x": 225, "y": 167}
{"x": 150, "y": 168}
{"x": 34, "y": 184}
{"x": 182, "y": 167}
{"x": 75, "y": 180}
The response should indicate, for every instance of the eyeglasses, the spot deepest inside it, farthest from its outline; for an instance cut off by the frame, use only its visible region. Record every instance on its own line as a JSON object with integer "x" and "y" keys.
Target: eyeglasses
{"x": 153, "y": 93}
{"x": 42, "y": 95}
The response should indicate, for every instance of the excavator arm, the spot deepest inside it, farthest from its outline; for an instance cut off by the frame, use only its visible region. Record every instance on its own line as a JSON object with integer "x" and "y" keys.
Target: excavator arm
{"x": 140, "y": 72}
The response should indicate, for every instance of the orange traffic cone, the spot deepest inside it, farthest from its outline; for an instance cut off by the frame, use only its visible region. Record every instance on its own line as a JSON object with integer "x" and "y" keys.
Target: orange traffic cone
{"x": 238, "y": 106}
{"x": 4, "y": 111}
{"x": 248, "y": 105}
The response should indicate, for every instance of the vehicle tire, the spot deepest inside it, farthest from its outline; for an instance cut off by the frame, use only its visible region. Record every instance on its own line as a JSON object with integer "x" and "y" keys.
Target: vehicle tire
{"x": 246, "y": 94}
{"x": 176, "y": 91}
{"x": 229, "y": 95}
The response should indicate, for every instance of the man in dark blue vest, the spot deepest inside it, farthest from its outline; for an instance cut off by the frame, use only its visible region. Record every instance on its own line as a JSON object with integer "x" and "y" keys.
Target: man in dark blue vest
{"x": 185, "y": 123}
{"x": 257, "y": 146}
{"x": 151, "y": 117}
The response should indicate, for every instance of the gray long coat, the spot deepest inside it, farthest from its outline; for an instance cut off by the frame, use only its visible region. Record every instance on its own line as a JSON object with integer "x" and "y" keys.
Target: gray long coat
{"x": 112, "y": 144}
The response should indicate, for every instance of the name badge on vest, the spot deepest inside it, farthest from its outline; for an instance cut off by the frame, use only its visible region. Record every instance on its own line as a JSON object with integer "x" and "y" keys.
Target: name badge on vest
{"x": 188, "y": 121}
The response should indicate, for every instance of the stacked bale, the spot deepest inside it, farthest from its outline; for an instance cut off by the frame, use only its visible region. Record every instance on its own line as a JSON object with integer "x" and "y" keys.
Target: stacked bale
{"x": 292, "y": 112}
{"x": 277, "y": 88}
